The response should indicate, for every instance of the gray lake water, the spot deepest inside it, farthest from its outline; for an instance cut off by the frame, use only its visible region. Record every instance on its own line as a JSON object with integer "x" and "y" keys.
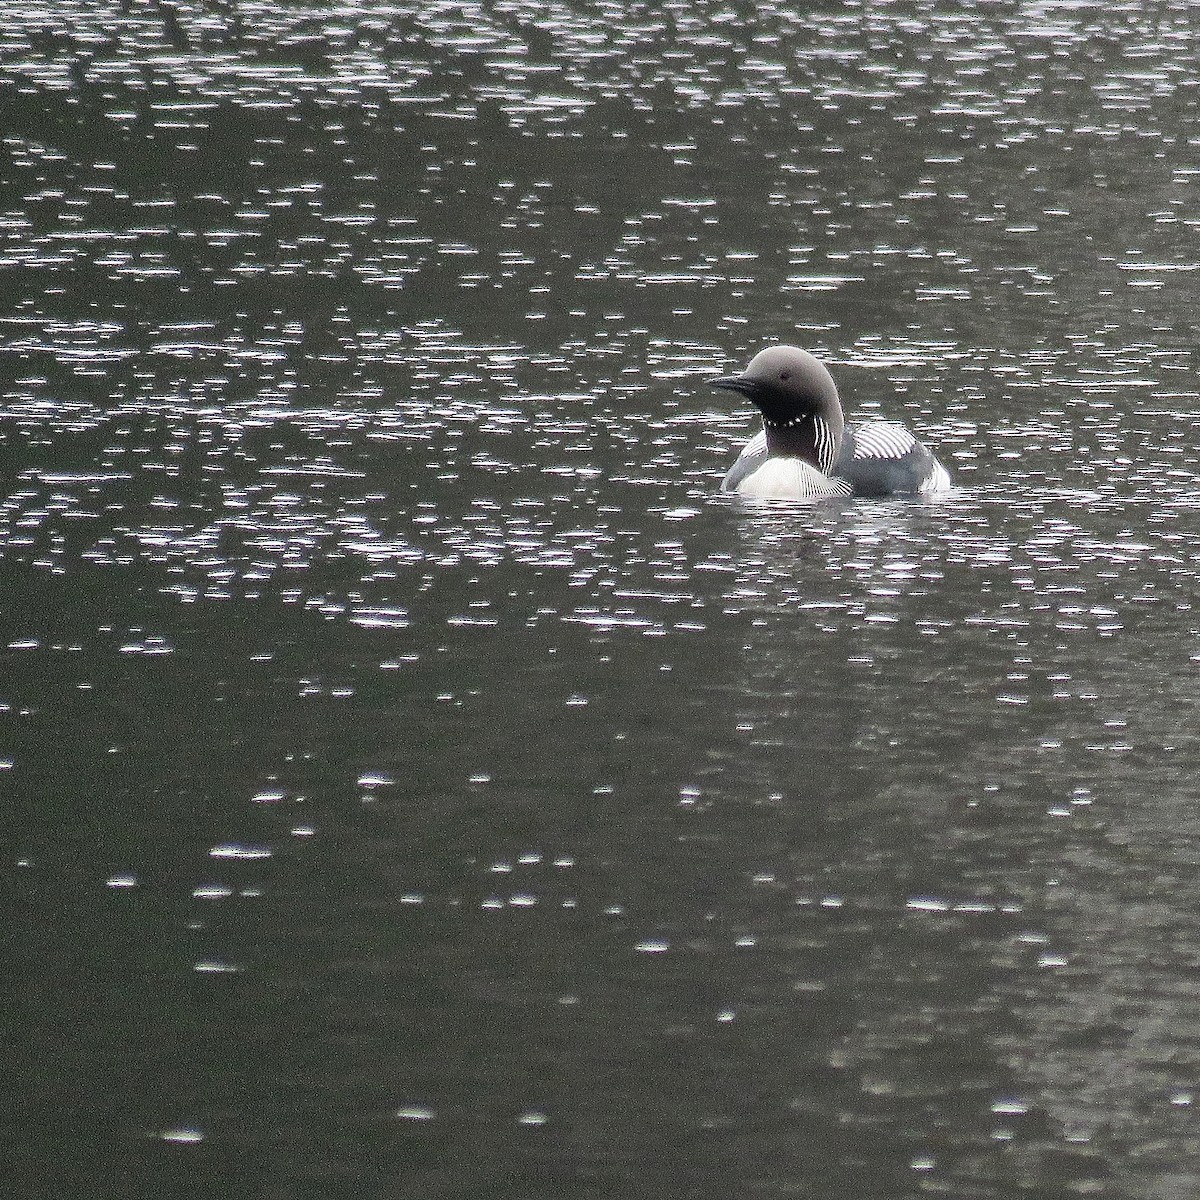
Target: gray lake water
{"x": 418, "y": 781}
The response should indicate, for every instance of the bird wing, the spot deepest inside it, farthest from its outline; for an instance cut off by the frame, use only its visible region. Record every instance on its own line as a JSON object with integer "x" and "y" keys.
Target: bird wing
{"x": 882, "y": 439}
{"x": 756, "y": 446}
{"x": 753, "y": 455}
{"x": 883, "y": 458}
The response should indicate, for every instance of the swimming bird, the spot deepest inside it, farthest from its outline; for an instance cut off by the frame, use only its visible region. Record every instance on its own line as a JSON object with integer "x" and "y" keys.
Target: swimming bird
{"x": 806, "y": 449}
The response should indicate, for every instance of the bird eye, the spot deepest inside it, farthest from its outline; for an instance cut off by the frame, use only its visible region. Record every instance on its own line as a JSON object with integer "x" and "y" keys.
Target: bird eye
{"x": 785, "y": 375}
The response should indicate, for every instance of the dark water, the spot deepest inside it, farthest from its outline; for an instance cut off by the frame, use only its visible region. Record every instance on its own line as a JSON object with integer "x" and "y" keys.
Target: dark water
{"x": 417, "y": 781}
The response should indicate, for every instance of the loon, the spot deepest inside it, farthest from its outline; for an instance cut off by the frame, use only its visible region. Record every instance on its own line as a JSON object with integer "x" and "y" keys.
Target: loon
{"x": 806, "y": 450}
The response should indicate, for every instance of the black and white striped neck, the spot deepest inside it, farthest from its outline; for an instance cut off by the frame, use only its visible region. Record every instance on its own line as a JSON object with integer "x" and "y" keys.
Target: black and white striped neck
{"x": 810, "y": 437}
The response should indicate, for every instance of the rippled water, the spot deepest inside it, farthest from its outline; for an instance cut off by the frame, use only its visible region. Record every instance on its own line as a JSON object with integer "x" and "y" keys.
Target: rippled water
{"x": 418, "y": 780}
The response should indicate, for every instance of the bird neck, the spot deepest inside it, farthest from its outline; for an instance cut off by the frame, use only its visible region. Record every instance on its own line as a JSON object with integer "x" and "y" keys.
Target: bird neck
{"x": 814, "y": 438}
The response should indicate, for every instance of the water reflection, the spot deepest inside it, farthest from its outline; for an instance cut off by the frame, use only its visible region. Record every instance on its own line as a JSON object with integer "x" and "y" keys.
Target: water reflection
{"x": 416, "y": 772}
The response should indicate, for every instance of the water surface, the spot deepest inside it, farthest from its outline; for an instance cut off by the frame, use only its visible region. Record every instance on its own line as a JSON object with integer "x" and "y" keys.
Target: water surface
{"x": 418, "y": 781}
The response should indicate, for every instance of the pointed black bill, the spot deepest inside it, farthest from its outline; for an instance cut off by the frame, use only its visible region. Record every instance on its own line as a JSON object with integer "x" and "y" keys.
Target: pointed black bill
{"x": 733, "y": 383}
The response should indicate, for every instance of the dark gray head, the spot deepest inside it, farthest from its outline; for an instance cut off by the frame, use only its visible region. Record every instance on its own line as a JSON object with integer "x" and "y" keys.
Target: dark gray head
{"x": 801, "y": 412}
{"x": 787, "y": 384}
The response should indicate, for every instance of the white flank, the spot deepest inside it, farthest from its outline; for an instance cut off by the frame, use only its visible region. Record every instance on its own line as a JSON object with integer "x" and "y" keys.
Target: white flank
{"x": 756, "y": 445}
{"x": 790, "y": 479}
{"x": 938, "y": 480}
